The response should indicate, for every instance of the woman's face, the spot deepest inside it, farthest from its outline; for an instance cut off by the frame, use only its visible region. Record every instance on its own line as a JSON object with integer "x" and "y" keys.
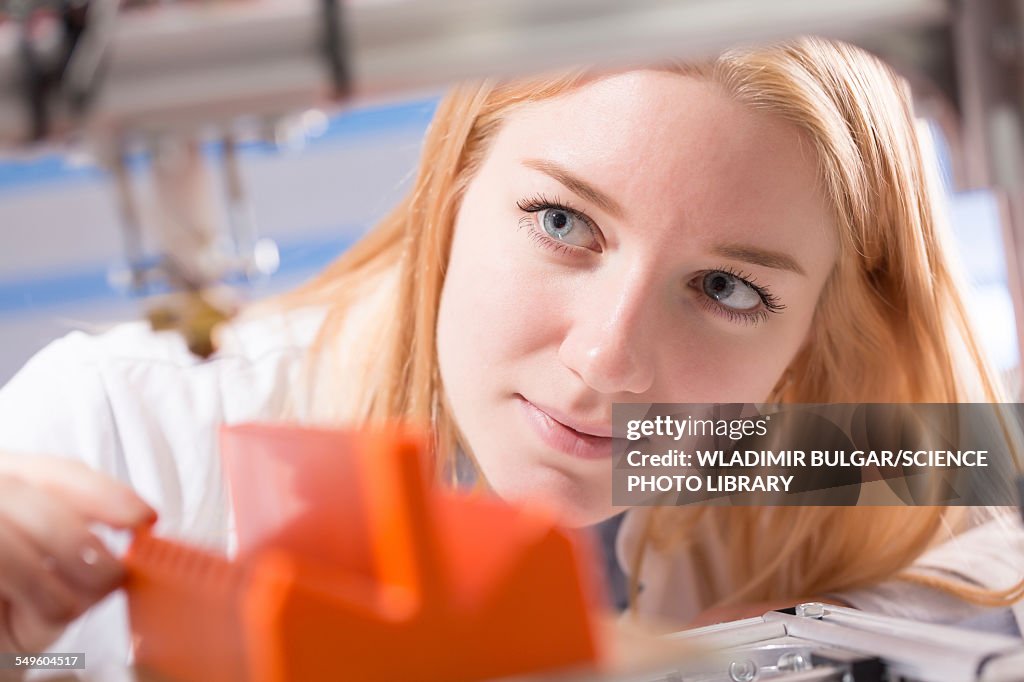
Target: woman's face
{"x": 643, "y": 238}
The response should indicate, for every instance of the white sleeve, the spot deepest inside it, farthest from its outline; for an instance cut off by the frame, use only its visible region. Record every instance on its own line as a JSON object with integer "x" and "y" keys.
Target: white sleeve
{"x": 134, "y": 405}
{"x": 137, "y": 406}
{"x": 57, "y": 405}
{"x": 990, "y": 555}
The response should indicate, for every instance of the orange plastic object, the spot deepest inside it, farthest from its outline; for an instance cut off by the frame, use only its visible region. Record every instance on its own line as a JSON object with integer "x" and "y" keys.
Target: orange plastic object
{"x": 184, "y": 607}
{"x": 351, "y": 566}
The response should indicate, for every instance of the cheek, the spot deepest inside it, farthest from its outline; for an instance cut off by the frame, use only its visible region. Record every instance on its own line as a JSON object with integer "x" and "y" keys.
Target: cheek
{"x": 709, "y": 365}
{"x": 733, "y": 373}
{"x": 496, "y": 309}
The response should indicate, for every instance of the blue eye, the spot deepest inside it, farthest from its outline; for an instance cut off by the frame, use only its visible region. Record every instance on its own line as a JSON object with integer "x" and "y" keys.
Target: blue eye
{"x": 735, "y": 296}
{"x": 731, "y": 291}
{"x": 561, "y": 226}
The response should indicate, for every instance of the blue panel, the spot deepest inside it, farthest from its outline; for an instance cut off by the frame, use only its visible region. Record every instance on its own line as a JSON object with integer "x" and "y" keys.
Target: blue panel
{"x": 90, "y": 285}
{"x": 57, "y": 168}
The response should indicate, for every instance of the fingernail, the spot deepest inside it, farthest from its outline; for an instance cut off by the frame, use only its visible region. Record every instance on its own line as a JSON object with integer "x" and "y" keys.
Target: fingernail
{"x": 90, "y": 556}
{"x": 96, "y": 569}
{"x": 146, "y": 514}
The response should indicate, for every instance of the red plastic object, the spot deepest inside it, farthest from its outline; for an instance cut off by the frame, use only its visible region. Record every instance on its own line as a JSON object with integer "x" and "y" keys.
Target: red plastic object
{"x": 351, "y": 566}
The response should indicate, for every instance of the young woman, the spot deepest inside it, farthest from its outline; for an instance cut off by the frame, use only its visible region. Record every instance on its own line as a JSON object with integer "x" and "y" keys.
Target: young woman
{"x": 757, "y": 228}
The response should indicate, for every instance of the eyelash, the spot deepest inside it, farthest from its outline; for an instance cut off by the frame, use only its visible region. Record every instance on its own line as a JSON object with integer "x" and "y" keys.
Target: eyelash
{"x": 538, "y": 203}
{"x": 770, "y": 301}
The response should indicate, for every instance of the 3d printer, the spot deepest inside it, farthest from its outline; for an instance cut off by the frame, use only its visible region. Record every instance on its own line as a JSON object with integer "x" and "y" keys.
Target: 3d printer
{"x": 159, "y": 78}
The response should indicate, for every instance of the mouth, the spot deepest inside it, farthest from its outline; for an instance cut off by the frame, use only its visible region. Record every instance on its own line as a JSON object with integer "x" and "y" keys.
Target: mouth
{"x": 586, "y": 441}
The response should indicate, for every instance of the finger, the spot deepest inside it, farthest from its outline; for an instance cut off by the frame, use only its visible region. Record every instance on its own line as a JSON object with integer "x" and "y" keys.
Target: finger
{"x": 27, "y": 581}
{"x": 27, "y": 631}
{"x": 95, "y": 495}
{"x": 58, "y": 532}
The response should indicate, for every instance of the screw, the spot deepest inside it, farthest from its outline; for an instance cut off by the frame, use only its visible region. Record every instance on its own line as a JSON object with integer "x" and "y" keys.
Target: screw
{"x": 743, "y": 671}
{"x": 793, "y": 662}
{"x": 811, "y": 610}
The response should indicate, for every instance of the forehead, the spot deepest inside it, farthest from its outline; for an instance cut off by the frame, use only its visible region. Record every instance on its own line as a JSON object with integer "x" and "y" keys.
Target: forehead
{"x": 676, "y": 145}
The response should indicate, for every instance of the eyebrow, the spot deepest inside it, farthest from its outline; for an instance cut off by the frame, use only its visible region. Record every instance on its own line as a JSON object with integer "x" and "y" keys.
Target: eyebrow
{"x": 577, "y": 185}
{"x": 758, "y": 256}
{"x": 741, "y": 252}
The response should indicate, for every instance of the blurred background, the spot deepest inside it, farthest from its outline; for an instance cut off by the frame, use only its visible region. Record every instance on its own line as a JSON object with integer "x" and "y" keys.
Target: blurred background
{"x": 314, "y": 196}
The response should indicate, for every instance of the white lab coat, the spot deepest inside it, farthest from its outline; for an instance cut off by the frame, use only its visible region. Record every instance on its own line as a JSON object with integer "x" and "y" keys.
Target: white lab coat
{"x": 989, "y": 555}
{"x": 136, "y": 405}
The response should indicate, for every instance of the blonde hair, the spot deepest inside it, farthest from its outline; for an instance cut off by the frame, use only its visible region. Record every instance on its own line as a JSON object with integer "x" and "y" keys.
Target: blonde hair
{"x": 890, "y": 325}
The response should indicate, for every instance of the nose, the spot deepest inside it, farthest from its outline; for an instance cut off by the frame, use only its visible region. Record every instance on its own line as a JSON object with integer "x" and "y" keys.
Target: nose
{"x": 609, "y": 343}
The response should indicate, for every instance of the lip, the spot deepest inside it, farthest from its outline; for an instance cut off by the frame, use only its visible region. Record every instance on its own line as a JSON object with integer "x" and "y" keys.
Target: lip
{"x": 586, "y": 441}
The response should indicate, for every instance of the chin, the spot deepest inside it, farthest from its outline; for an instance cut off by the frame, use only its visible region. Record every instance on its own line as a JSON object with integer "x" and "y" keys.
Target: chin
{"x": 581, "y": 517}
{"x": 572, "y": 502}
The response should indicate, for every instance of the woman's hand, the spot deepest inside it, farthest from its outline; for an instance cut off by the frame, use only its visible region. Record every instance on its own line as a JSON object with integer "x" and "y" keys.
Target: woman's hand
{"x": 52, "y": 566}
